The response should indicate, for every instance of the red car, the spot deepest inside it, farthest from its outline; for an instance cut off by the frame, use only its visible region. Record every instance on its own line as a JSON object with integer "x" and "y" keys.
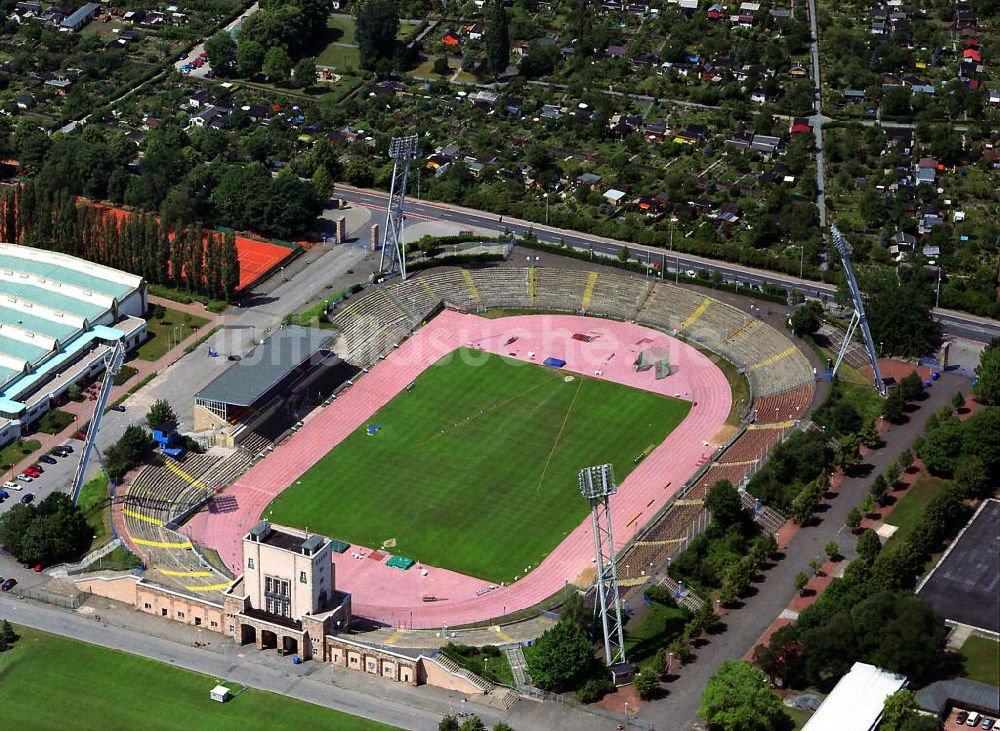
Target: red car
{"x": 31, "y": 472}
{"x": 39, "y": 568}
{"x": 38, "y": 467}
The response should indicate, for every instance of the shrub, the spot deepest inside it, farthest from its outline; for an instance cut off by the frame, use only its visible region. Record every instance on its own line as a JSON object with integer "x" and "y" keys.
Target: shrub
{"x": 595, "y": 689}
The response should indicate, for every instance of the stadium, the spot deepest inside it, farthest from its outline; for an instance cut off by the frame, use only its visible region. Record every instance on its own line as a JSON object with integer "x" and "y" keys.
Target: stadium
{"x": 445, "y": 471}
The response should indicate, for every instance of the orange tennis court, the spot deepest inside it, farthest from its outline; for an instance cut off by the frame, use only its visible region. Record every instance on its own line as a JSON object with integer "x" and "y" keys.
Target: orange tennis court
{"x": 257, "y": 258}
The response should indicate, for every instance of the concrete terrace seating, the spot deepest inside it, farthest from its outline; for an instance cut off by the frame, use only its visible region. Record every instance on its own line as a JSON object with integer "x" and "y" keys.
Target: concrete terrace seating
{"x": 751, "y": 445}
{"x": 557, "y": 289}
{"x": 448, "y": 285}
{"x": 783, "y": 371}
{"x": 369, "y": 324}
{"x": 503, "y": 287}
{"x": 616, "y": 295}
{"x": 732, "y": 472}
{"x": 784, "y": 406}
{"x": 414, "y": 296}
{"x": 669, "y": 306}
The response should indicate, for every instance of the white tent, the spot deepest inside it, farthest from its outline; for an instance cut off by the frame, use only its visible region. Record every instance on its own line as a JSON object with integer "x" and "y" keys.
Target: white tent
{"x": 220, "y": 693}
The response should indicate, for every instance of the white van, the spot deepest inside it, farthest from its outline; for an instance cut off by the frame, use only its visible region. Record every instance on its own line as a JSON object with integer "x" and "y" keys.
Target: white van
{"x": 973, "y": 719}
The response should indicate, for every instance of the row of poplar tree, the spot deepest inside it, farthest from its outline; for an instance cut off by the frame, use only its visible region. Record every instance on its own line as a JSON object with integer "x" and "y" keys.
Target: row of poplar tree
{"x": 197, "y": 260}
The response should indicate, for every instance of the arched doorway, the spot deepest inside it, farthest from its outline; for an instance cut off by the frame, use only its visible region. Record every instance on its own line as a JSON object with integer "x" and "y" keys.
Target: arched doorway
{"x": 268, "y": 639}
{"x": 248, "y": 634}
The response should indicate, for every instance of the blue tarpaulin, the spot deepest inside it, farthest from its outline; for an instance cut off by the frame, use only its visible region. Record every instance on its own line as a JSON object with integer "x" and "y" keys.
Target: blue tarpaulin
{"x": 554, "y": 362}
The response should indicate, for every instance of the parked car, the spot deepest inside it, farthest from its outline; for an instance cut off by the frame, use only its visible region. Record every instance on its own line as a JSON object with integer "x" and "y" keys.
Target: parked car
{"x": 9, "y": 584}
{"x": 118, "y": 407}
{"x": 11, "y": 485}
{"x": 67, "y": 448}
{"x": 37, "y": 467}
{"x": 31, "y": 472}
{"x": 960, "y": 718}
{"x": 39, "y": 568}
{"x": 28, "y": 498}
{"x": 25, "y": 478}
{"x": 48, "y": 459}
{"x": 988, "y": 723}
{"x": 4, "y": 495}
{"x": 235, "y": 357}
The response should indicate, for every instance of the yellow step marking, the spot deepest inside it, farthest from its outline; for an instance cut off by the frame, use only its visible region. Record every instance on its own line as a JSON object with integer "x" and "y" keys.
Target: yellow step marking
{"x": 210, "y": 587}
{"x": 502, "y": 635}
{"x": 588, "y": 291}
{"x": 775, "y": 425}
{"x": 532, "y": 286}
{"x": 773, "y": 359}
{"x": 742, "y": 328}
{"x": 427, "y": 286}
{"x": 737, "y": 464}
{"x": 637, "y": 581}
{"x": 696, "y": 314}
{"x": 665, "y": 542}
{"x": 689, "y": 502}
{"x": 192, "y": 574}
{"x": 471, "y": 286}
{"x": 161, "y": 544}
{"x": 394, "y": 637}
{"x": 140, "y": 516}
{"x": 190, "y": 480}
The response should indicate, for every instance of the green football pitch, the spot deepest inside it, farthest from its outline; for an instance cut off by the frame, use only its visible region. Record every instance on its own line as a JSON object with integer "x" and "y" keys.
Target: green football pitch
{"x": 474, "y": 467}
{"x": 50, "y": 682}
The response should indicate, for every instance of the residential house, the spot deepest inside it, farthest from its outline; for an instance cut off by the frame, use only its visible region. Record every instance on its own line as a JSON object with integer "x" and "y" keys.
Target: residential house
{"x": 739, "y": 140}
{"x": 766, "y": 145}
{"x": 591, "y": 180}
{"x": 691, "y": 135}
{"x": 917, "y": 85}
{"x": 799, "y": 125}
{"x": 853, "y": 96}
{"x": 902, "y": 244}
{"x": 798, "y": 71}
{"x": 655, "y": 131}
{"x": 79, "y": 17}
{"x": 474, "y": 32}
{"x": 451, "y": 38}
{"x": 615, "y": 51}
{"x": 61, "y": 86}
{"x": 552, "y": 112}
{"x": 615, "y": 197}
{"x": 747, "y": 14}
{"x": 757, "y": 96}
{"x": 199, "y": 99}
{"x": 930, "y": 217}
{"x": 622, "y": 125}
{"x": 716, "y": 12}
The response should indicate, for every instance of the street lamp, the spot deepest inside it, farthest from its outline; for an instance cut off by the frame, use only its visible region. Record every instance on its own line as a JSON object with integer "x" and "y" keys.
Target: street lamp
{"x": 546, "y": 208}
{"x": 802, "y": 256}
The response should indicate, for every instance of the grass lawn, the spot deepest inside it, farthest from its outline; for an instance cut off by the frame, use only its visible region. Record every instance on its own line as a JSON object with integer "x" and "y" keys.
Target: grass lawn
{"x": 981, "y": 658}
{"x": 166, "y": 327}
{"x": 345, "y": 57}
{"x": 910, "y": 506}
{"x": 54, "y": 421}
{"x": 18, "y": 450}
{"x": 342, "y": 29}
{"x": 120, "y": 559}
{"x": 93, "y": 501}
{"x": 492, "y": 666}
{"x": 654, "y": 631}
{"x": 475, "y": 468}
{"x": 42, "y": 681}
{"x": 799, "y": 717}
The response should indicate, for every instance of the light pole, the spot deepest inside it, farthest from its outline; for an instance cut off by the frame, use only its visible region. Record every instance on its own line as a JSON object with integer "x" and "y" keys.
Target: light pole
{"x": 626, "y": 714}
{"x": 677, "y": 262}
{"x": 546, "y": 208}
{"x": 802, "y": 257}
{"x": 937, "y": 292}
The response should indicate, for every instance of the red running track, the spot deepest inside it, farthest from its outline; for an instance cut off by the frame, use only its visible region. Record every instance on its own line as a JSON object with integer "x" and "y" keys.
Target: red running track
{"x": 394, "y": 597}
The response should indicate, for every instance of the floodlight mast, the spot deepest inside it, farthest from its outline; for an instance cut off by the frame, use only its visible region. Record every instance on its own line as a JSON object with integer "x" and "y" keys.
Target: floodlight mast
{"x": 859, "y": 317}
{"x": 597, "y": 484}
{"x": 402, "y": 150}
{"x": 112, "y": 366}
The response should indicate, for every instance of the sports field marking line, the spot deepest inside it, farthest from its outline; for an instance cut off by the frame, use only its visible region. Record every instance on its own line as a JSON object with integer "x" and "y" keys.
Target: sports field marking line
{"x": 488, "y": 410}
{"x": 775, "y": 425}
{"x": 773, "y": 359}
{"x": 210, "y": 587}
{"x": 695, "y": 315}
{"x": 192, "y": 574}
{"x": 588, "y": 291}
{"x": 191, "y": 480}
{"x": 161, "y": 544}
{"x": 555, "y": 444}
{"x": 471, "y": 286}
{"x": 140, "y": 516}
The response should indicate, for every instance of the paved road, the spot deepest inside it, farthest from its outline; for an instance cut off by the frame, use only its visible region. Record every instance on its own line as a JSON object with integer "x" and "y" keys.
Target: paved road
{"x": 955, "y": 323}
{"x": 817, "y": 120}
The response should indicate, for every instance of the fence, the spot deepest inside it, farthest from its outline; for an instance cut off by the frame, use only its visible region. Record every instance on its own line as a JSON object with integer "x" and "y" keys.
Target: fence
{"x": 66, "y": 602}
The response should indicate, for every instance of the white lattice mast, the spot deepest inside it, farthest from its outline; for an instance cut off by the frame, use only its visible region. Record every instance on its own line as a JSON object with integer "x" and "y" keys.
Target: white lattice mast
{"x": 597, "y": 484}
{"x": 402, "y": 150}
{"x": 858, "y": 318}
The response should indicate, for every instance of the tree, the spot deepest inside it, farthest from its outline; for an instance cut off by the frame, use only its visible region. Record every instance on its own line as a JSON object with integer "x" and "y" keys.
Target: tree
{"x": 161, "y": 416}
{"x": 807, "y": 319}
{"x": 972, "y": 479}
{"x": 377, "y": 26}
{"x": 800, "y": 581}
{"x": 448, "y": 723}
{"x": 911, "y": 387}
{"x": 988, "y": 374}
{"x": 475, "y": 723}
{"x": 879, "y": 489}
{"x": 958, "y": 401}
{"x": 441, "y": 67}
{"x": 7, "y": 633}
{"x": 920, "y": 722}
{"x": 53, "y": 532}
{"x": 560, "y": 657}
{"x": 74, "y": 392}
{"x": 135, "y": 444}
{"x": 739, "y": 697}
{"x": 894, "y": 406}
{"x": 723, "y": 501}
{"x": 848, "y": 454}
{"x": 501, "y": 726}
{"x": 905, "y": 459}
{"x": 277, "y": 64}
{"x": 646, "y": 684}
{"x": 305, "y": 73}
{"x": 867, "y": 504}
{"x": 892, "y": 474}
{"x": 897, "y": 708}
{"x": 575, "y": 610}
{"x": 249, "y": 58}
{"x": 899, "y": 311}
{"x": 831, "y": 549}
{"x": 221, "y": 50}
{"x": 497, "y": 38}
{"x": 868, "y": 546}
{"x": 323, "y": 183}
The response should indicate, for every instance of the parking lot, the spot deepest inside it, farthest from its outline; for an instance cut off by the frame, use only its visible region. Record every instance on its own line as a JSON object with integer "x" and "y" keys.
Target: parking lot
{"x": 57, "y": 477}
{"x": 952, "y": 722}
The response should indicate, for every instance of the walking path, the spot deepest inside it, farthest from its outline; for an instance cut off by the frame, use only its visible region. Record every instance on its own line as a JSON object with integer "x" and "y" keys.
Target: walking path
{"x": 396, "y": 598}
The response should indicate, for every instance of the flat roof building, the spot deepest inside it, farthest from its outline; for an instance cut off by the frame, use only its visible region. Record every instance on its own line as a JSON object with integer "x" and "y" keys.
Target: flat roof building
{"x": 855, "y": 703}
{"x": 59, "y": 316}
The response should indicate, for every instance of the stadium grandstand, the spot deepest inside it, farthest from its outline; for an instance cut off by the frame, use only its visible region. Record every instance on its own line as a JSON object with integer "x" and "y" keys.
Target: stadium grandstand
{"x": 266, "y": 392}
{"x": 59, "y": 317}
